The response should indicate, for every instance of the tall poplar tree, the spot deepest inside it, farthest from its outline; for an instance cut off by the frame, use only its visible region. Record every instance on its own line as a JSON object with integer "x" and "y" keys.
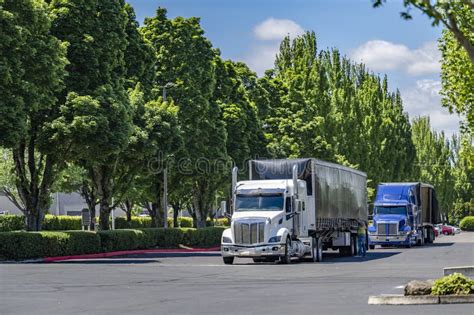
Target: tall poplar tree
{"x": 186, "y": 59}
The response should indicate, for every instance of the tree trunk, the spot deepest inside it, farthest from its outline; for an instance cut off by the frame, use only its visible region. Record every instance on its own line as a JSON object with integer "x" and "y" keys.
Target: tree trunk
{"x": 176, "y": 209}
{"x": 156, "y": 218}
{"x": 104, "y": 214}
{"x": 103, "y": 187}
{"x": 128, "y": 209}
{"x": 33, "y": 220}
{"x": 88, "y": 194}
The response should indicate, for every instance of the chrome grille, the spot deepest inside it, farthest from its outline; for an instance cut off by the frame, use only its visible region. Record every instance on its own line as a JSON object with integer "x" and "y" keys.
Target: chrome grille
{"x": 248, "y": 233}
{"x": 387, "y": 228}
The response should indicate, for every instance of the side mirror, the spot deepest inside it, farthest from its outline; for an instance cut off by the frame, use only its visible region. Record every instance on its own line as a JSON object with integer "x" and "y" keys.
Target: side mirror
{"x": 288, "y": 205}
{"x": 223, "y": 210}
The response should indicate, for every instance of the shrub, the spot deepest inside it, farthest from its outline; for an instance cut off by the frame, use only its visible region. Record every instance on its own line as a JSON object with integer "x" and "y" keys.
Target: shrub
{"x": 185, "y": 222}
{"x": 115, "y": 240}
{"x": 25, "y": 245}
{"x": 145, "y": 222}
{"x": 11, "y": 223}
{"x": 455, "y": 283}
{"x": 206, "y": 237}
{"x": 61, "y": 223}
{"x": 136, "y": 223}
{"x": 467, "y": 223}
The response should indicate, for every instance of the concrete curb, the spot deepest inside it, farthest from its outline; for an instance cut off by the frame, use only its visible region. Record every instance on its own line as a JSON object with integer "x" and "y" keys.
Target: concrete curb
{"x": 164, "y": 252}
{"x": 178, "y": 252}
{"x": 419, "y": 299}
{"x": 468, "y": 271}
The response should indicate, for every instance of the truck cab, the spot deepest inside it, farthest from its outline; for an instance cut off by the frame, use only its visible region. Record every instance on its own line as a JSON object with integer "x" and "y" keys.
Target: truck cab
{"x": 268, "y": 214}
{"x": 403, "y": 215}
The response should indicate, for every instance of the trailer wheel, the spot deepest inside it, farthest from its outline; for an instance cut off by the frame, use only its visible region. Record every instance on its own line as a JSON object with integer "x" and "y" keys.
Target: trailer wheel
{"x": 314, "y": 249}
{"x": 317, "y": 250}
{"x": 286, "y": 259}
{"x": 347, "y": 250}
{"x": 228, "y": 260}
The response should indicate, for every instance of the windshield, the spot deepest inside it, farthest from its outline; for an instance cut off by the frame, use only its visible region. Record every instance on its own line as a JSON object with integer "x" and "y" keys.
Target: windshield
{"x": 391, "y": 210}
{"x": 259, "y": 202}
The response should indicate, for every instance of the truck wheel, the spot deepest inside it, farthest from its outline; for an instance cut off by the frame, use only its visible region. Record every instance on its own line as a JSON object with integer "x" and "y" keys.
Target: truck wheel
{"x": 347, "y": 250}
{"x": 228, "y": 260}
{"x": 314, "y": 250}
{"x": 431, "y": 236}
{"x": 286, "y": 259}
{"x": 317, "y": 250}
{"x": 372, "y": 246}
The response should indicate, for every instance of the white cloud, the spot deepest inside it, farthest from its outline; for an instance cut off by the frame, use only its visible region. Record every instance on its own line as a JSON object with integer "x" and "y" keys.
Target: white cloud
{"x": 269, "y": 34}
{"x": 380, "y": 55}
{"x": 262, "y": 57}
{"x": 277, "y": 29}
{"x": 423, "y": 99}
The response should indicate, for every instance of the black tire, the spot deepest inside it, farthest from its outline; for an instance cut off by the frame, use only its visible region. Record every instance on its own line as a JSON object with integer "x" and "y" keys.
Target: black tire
{"x": 228, "y": 260}
{"x": 319, "y": 250}
{"x": 314, "y": 249}
{"x": 347, "y": 251}
{"x": 372, "y": 246}
{"x": 286, "y": 259}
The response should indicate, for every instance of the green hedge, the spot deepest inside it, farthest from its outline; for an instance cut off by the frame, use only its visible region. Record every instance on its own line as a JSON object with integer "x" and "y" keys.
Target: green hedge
{"x": 455, "y": 283}
{"x": 11, "y": 223}
{"x": 61, "y": 223}
{"x": 25, "y": 245}
{"x": 467, "y": 223}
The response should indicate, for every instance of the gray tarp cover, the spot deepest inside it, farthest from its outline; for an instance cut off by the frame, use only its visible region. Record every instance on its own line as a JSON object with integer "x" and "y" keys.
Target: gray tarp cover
{"x": 340, "y": 191}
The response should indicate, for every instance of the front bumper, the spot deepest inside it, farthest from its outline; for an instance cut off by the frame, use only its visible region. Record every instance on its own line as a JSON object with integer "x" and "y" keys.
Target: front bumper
{"x": 265, "y": 250}
{"x": 389, "y": 239}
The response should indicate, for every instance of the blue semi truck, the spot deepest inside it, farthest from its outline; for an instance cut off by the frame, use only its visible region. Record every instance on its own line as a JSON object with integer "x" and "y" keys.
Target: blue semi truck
{"x": 404, "y": 214}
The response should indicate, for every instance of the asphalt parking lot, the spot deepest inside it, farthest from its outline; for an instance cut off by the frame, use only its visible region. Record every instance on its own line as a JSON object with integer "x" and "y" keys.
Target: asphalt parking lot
{"x": 151, "y": 284}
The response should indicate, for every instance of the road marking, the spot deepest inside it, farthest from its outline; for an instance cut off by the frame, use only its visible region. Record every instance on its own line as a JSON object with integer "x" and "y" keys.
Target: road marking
{"x": 400, "y": 287}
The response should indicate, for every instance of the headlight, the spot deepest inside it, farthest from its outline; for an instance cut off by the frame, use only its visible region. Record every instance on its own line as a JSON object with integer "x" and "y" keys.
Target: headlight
{"x": 274, "y": 239}
{"x": 226, "y": 239}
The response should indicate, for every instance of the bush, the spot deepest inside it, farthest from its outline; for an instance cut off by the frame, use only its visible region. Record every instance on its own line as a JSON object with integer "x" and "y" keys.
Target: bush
{"x": 218, "y": 222}
{"x": 467, "y": 224}
{"x": 136, "y": 223}
{"x": 117, "y": 240}
{"x": 11, "y": 223}
{"x": 455, "y": 283}
{"x": 61, "y": 223}
{"x": 206, "y": 237}
{"x": 185, "y": 222}
{"x": 145, "y": 222}
{"x": 25, "y": 245}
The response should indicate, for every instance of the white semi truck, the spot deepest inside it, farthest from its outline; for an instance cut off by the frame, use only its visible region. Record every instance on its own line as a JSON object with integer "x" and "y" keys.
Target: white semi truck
{"x": 295, "y": 208}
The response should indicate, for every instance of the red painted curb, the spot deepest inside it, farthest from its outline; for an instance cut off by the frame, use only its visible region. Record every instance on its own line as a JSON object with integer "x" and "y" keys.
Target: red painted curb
{"x": 129, "y": 252}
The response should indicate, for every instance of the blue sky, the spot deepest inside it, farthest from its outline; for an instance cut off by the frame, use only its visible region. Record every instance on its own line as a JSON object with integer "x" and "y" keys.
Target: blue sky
{"x": 250, "y": 31}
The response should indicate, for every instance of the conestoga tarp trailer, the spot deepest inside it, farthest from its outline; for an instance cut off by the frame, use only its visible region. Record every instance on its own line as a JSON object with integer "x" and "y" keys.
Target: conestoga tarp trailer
{"x": 339, "y": 193}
